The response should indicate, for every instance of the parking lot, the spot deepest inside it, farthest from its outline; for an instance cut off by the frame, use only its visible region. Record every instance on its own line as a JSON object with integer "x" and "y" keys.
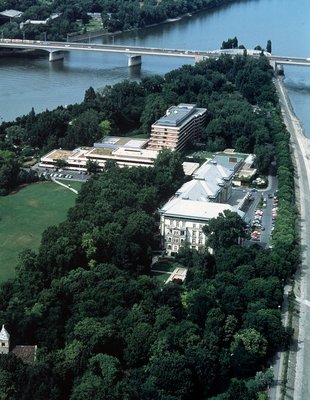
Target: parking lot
{"x": 61, "y": 173}
{"x": 260, "y": 211}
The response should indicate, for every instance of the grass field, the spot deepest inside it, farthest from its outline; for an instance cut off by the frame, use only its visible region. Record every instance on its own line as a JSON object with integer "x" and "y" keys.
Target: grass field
{"x": 25, "y": 215}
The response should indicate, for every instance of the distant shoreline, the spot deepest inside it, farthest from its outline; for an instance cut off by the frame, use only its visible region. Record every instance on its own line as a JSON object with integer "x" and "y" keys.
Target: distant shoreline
{"x": 101, "y": 33}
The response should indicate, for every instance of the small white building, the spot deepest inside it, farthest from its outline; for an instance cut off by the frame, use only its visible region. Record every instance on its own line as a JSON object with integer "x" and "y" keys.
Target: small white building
{"x": 4, "y": 341}
{"x": 181, "y": 222}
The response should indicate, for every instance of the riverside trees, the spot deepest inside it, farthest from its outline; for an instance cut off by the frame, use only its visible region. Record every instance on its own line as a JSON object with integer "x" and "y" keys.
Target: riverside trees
{"x": 116, "y": 15}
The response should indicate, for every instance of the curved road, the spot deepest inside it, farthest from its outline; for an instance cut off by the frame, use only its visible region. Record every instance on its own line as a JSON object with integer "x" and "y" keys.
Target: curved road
{"x": 298, "y": 386}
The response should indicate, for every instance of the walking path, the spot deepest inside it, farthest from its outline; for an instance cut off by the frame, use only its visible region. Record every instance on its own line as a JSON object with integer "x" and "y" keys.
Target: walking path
{"x": 64, "y": 185}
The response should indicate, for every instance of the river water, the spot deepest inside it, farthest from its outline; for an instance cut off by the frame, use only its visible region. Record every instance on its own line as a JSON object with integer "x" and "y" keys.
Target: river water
{"x": 26, "y": 83}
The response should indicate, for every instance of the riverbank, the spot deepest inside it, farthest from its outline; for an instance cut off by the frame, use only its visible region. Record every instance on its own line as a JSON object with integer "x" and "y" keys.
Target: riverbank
{"x": 101, "y": 33}
{"x": 299, "y": 361}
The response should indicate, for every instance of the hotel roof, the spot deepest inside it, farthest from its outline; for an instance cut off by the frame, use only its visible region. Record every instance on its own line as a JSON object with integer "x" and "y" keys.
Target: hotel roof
{"x": 198, "y": 190}
{"x": 212, "y": 171}
{"x": 115, "y": 142}
{"x": 196, "y": 210}
{"x": 177, "y": 115}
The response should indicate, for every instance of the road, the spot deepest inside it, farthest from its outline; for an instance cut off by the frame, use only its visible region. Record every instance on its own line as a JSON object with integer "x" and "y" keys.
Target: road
{"x": 298, "y": 386}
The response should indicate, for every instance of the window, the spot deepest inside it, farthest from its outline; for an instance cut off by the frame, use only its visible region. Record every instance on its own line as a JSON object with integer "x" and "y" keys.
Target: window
{"x": 194, "y": 225}
{"x": 182, "y": 233}
{"x": 2, "y": 344}
{"x": 178, "y": 223}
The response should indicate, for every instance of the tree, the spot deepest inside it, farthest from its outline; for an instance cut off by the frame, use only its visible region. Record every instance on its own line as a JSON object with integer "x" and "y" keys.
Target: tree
{"x": 101, "y": 381}
{"x": 105, "y": 127}
{"x": 268, "y": 47}
{"x": 172, "y": 375}
{"x": 92, "y": 167}
{"x": 230, "y": 43}
{"x": 155, "y": 107}
{"x": 253, "y": 342}
{"x": 225, "y": 230}
{"x": 60, "y": 163}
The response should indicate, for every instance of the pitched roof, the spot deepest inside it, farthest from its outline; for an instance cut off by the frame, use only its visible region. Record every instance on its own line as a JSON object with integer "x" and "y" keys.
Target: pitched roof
{"x": 4, "y": 334}
{"x": 26, "y": 353}
{"x": 212, "y": 171}
{"x": 198, "y": 190}
{"x": 11, "y": 13}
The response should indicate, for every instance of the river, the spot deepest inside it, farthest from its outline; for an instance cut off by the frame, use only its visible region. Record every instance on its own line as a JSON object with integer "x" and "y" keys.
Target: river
{"x": 27, "y": 83}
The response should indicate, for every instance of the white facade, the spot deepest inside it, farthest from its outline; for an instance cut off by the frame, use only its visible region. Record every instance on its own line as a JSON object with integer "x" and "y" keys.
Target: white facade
{"x": 182, "y": 221}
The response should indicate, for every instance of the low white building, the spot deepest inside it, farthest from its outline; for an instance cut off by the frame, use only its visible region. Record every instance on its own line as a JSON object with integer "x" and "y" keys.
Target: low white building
{"x": 181, "y": 222}
{"x": 124, "y": 151}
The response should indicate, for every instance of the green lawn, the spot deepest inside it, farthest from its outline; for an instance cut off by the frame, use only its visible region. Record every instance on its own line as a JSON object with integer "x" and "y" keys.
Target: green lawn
{"x": 25, "y": 215}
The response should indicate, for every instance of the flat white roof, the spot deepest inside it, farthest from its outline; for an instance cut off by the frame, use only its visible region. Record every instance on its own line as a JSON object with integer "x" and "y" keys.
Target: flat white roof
{"x": 140, "y": 153}
{"x": 191, "y": 209}
{"x": 189, "y": 167}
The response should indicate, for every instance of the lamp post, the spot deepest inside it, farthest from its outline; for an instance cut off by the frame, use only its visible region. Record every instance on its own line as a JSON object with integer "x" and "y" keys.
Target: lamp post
{"x": 44, "y": 36}
{"x": 23, "y": 35}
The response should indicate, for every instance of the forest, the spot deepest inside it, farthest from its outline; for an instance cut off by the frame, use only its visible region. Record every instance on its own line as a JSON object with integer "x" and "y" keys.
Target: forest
{"x": 103, "y": 325}
{"x": 116, "y": 15}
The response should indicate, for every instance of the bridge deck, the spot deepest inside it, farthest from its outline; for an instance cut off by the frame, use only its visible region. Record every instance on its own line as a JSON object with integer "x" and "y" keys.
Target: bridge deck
{"x": 136, "y": 50}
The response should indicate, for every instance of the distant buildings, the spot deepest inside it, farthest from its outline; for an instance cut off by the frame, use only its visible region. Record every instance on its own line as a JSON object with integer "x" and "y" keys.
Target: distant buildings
{"x": 124, "y": 151}
{"x": 8, "y": 15}
{"x": 181, "y": 125}
{"x": 40, "y": 21}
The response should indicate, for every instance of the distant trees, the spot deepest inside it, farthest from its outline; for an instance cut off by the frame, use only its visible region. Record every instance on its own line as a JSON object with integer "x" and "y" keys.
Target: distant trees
{"x": 268, "y": 47}
{"x": 230, "y": 43}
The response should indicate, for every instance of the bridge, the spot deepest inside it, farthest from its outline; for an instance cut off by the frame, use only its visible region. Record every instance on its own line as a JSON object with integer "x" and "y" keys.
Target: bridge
{"x": 56, "y": 51}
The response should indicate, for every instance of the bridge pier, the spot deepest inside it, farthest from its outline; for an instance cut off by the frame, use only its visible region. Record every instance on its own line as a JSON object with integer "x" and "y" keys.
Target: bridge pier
{"x": 55, "y": 56}
{"x": 134, "y": 60}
